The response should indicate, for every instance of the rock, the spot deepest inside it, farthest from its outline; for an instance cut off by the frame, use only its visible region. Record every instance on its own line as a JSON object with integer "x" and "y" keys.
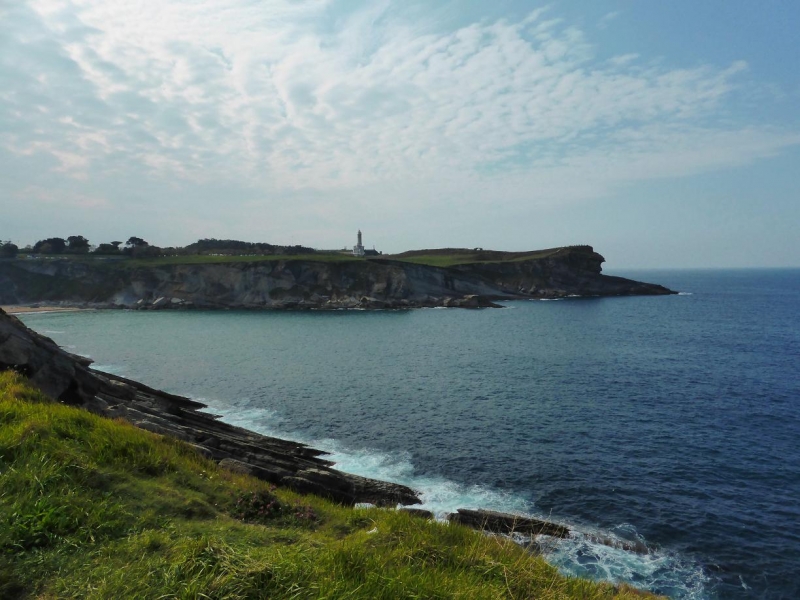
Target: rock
{"x": 300, "y": 284}
{"x": 374, "y": 303}
{"x": 488, "y": 520}
{"x": 236, "y": 466}
{"x": 471, "y": 301}
{"x": 68, "y": 378}
{"x": 636, "y": 547}
{"x": 418, "y": 512}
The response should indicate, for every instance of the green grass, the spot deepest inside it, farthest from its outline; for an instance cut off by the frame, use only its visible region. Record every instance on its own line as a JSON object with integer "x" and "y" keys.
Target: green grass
{"x": 205, "y": 260}
{"x": 451, "y": 257}
{"x": 95, "y": 508}
{"x": 116, "y": 262}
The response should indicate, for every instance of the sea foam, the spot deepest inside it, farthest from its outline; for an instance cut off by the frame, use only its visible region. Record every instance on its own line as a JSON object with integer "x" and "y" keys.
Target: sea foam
{"x": 589, "y": 552}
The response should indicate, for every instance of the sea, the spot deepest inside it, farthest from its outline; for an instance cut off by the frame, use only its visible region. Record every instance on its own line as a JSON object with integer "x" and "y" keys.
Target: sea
{"x": 673, "y": 421}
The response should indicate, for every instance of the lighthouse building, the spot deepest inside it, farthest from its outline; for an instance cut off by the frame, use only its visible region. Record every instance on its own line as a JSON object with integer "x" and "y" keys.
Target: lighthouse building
{"x": 358, "y": 249}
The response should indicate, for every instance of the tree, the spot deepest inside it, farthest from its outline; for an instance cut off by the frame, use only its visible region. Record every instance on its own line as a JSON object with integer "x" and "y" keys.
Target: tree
{"x": 8, "y": 250}
{"x": 78, "y": 244}
{"x": 108, "y": 248}
{"x": 136, "y": 242}
{"x": 50, "y": 246}
{"x": 146, "y": 251}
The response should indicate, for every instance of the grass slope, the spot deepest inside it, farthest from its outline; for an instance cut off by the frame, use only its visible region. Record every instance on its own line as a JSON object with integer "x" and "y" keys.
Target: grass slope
{"x": 123, "y": 262}
{"x": 448, "y": 257}
{"x": 96, "y": 508}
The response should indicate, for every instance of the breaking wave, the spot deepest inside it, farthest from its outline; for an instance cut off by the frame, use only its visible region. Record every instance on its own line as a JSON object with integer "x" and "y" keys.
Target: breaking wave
{"x": 618, "y": 556}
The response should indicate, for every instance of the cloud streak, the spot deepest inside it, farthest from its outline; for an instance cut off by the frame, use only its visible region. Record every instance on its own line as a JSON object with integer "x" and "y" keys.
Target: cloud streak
{"x": 287, "y": 99}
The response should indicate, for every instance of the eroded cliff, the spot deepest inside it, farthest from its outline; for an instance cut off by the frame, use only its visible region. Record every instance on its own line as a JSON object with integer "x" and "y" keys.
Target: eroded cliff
{"x": 308, "y": 283}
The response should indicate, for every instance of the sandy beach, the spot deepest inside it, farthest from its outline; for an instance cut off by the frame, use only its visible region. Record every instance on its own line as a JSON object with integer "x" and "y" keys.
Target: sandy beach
{"x": 18, "y": 310}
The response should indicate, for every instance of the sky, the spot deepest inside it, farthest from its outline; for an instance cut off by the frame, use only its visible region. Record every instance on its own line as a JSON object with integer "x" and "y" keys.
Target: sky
{"x": 664, "y": 134}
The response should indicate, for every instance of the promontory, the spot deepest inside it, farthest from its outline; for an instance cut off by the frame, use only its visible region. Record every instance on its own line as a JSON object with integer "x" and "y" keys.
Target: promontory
{"x": 469, "y": 278}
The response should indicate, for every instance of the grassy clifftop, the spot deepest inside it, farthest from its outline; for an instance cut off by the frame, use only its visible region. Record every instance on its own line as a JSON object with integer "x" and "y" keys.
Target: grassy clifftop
{"x": 96, "y": 508}
{"x": 448, "y": 257}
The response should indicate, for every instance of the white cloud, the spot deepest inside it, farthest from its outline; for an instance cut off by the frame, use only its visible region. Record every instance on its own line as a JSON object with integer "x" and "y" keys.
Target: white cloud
{"x": 606, "y": 20}
{"x": 298, "y": 99}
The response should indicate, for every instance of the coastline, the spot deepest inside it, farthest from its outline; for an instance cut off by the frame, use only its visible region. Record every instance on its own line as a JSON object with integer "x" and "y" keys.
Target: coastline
{"x": 313, "y": 285}
{"x": 34, "y": 309}
{"x": 293, "y": 464}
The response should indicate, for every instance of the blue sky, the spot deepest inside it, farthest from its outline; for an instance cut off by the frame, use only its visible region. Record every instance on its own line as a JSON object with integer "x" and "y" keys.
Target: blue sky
{"x": 665, "y": 134}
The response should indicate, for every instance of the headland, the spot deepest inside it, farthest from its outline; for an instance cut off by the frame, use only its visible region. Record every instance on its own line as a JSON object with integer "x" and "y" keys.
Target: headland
{"x": 324, "y": 281}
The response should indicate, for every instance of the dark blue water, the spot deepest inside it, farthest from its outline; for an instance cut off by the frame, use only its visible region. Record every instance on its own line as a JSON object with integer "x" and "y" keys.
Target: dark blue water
{"x": 673, "y": 420}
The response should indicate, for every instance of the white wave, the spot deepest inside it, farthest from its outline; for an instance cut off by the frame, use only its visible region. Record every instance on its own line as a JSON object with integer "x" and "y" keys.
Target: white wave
{"x": 596, "y": 554}
{"x": 439, "y": 495}
{"x": 658, "y": 572}
{"x": 260, "y": 420}
{"x": 112, "y": 369}
{"x": 588, "y": 552}
{"x": 744, "y": 585}
{"x": 685, "y": 294}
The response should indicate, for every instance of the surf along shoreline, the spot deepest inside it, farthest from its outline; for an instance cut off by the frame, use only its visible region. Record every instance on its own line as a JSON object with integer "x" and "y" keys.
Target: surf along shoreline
{"x": 71, "y": 380}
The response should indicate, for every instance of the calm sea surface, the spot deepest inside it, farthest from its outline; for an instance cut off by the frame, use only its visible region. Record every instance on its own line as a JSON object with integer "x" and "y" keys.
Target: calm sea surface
{"x": 672, "y": 420}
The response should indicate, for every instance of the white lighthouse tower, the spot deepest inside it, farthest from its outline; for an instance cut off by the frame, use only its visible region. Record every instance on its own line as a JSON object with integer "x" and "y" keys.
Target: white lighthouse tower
{"x": 358, "y": 249}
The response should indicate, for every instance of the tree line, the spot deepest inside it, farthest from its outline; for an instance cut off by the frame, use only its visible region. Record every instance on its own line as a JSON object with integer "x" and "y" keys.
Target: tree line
{"x": 140, "y": 248}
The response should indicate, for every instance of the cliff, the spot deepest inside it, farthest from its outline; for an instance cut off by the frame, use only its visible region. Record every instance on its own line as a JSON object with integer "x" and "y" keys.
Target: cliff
{"x": 469, "y": 280}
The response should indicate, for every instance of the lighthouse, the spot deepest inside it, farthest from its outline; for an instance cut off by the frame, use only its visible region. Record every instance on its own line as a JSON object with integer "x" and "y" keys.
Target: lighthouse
{"x": 358, "y": 249}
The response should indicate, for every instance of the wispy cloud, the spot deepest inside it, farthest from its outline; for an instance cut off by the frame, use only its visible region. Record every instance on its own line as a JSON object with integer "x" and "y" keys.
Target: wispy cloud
{"x": 281, "y": 98}
{"x": 606, "y": 19}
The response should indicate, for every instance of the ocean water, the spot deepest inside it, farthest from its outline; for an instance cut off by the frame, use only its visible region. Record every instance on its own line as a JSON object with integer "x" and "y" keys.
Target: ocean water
{"x": 674, "y": 421}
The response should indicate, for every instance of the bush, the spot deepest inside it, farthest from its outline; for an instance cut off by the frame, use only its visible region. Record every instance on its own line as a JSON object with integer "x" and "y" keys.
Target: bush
{"x": 257, "y": 507}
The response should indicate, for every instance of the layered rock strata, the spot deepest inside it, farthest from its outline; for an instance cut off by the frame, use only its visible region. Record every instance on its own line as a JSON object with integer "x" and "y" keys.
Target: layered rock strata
{"x": 312, "y": 284}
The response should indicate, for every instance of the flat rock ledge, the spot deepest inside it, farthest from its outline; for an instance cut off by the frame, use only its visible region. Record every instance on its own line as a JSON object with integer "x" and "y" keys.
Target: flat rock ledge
{"x": 507, "y": 524}
{"x": 496, "y": 522}
{"x": 69, "y": 379}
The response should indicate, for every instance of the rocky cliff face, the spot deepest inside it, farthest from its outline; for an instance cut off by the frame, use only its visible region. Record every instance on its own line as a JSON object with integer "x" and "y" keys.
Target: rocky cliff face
{"x": 69, "y": 379}
{"x": 381, "y": 283}
{"x": 575, "y": 271}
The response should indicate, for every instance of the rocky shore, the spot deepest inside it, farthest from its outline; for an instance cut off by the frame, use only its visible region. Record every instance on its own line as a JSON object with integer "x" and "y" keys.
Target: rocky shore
{"x": 308, "y": 284}
{"x": 69, "y": 379}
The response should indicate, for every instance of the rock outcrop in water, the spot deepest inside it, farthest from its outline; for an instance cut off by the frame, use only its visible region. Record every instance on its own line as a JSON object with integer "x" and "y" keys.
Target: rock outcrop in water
{"x": 69, "y": 379}
{"x": 318, "y": 284}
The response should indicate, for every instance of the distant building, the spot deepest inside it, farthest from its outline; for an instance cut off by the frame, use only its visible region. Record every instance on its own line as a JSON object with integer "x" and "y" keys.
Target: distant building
{"x": 359, "y": 250}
